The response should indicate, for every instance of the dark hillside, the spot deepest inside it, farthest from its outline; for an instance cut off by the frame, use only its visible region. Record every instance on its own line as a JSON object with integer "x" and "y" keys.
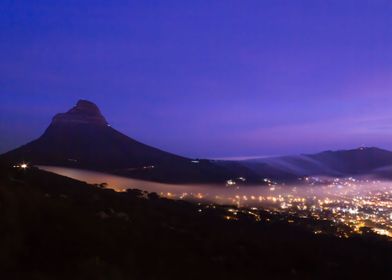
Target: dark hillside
{"x": 52, "y": 227}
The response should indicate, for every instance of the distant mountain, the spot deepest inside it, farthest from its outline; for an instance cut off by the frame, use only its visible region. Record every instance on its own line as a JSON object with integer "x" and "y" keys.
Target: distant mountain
{"x": 361, "y": 161}
{"x": 82, "y": 138}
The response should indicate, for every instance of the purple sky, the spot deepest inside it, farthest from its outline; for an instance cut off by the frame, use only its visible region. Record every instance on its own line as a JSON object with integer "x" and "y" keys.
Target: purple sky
{"x": 203, "y": 79}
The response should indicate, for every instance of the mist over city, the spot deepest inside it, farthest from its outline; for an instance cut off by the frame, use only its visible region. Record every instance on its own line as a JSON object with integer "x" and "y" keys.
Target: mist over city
{"x": 195, "y": 140}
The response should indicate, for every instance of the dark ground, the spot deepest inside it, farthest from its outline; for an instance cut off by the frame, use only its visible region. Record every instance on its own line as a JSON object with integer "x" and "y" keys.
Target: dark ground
{"x": 52, "y": 227}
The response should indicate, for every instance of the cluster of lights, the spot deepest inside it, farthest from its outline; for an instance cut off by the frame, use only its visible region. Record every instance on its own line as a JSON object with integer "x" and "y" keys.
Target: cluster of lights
{"x": 21, "y": 166}
{"x": 149, "y": 167}
{"x": 344, "y": 202}
{"x": 230, "y": 183}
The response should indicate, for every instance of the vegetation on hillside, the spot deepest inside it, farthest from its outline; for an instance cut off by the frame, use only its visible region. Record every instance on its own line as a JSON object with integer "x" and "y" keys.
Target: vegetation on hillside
{"x": 53, "y": 227}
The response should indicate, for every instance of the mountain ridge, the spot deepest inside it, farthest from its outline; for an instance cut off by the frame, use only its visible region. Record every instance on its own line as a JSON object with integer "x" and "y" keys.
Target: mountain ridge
{"x": 339, "y": 163}
{"x": 82, "y": 138}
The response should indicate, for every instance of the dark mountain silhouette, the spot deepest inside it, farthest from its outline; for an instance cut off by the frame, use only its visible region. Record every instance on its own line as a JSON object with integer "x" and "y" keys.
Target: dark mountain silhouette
{"x": 82, "y": 138}
{"x": 361, "y": 161}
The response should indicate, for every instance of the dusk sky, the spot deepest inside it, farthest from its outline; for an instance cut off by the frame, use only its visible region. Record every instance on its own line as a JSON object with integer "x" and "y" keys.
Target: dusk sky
{"x": 203, "y": 78}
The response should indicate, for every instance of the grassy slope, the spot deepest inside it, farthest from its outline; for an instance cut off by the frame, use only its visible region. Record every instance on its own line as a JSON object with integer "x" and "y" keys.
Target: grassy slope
{"x": 52, "y": 227}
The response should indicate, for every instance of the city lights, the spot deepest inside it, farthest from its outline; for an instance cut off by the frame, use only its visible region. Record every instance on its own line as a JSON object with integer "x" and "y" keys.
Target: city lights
{"x": 352, "y": 205}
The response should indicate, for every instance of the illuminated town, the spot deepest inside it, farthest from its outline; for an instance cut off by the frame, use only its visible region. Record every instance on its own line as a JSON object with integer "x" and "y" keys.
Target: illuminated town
{"x": 352, "y": 206}
{"x": 344, "y": 206}
{"x": 196, "y": 140}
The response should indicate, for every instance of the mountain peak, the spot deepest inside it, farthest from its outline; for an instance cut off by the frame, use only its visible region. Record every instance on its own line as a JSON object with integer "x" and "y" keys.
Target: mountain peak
{"x": 84, "y": 112}
{"x": 82, "y": 103}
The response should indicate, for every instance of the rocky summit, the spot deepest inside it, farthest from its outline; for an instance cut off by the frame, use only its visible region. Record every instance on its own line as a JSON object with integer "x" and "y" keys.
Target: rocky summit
{"x": 82, "y": 138}
{"x": 85, "y": 112}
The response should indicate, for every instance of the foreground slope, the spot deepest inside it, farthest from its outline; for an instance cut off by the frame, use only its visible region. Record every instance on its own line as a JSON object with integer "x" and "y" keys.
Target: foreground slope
{"x": 52, "y": 227}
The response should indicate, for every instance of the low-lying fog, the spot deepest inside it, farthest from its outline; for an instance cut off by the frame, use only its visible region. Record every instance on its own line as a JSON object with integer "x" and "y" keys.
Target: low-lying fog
{"x": 331, "y": 188}
{"x": 356, "y": 203}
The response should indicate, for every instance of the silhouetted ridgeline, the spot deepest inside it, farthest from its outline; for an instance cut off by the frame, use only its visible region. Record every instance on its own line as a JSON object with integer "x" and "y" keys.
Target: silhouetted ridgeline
{"x": 82, "y": 138}
{"x": 52, "y": 227}
{"x": 363, "y": 161}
